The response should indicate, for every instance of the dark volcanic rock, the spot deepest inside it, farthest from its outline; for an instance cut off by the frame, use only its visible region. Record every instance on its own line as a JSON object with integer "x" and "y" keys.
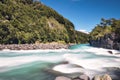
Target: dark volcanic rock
{"x": 115, "y": 72}
{"x": 109, "y": 41}
{"x": 110, "y": 52}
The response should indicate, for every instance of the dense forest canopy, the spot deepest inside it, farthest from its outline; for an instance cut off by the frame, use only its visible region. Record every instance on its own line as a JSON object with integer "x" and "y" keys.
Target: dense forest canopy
{"x": 106, "y": 27}
{"x": 28, "y": 21}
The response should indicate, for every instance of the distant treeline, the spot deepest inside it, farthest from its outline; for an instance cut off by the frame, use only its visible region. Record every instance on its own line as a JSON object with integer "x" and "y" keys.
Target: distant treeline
{"x": 106, "y": 27}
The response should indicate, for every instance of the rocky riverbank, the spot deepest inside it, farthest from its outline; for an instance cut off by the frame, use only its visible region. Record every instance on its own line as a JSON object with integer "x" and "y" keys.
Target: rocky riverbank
{"x": 34, "y": 46}
{"x": 109, "y": 41}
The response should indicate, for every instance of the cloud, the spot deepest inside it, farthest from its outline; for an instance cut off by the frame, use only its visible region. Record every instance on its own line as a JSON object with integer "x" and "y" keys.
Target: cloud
{"x": 84, "y": 31}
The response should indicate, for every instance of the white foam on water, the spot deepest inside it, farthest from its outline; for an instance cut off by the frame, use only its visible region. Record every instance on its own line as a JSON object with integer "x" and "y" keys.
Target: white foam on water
{"x": 19, "y": 60}
{"x": 101, "y": 51}
{"x": 91, "y": 65}
{"x": 66, "y": 68}
{"x": 15, "y": 61}
{"x": 34, "y": 51}
{"x": 94, "y": 63}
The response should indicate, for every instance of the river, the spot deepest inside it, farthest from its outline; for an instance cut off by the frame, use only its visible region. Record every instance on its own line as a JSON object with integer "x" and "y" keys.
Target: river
{"x": 47, "y": 64}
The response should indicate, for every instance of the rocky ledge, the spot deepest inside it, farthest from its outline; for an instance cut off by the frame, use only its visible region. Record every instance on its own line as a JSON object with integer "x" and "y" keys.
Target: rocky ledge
{"x": 34, "y": 46}
{"x": 85, "y": 77}
{"x": 109, "y": 41}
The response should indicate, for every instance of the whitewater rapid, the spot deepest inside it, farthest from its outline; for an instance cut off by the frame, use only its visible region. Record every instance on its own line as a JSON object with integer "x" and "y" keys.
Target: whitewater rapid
{"x": 81, "y": 59}
{"x": 91, "y": 60}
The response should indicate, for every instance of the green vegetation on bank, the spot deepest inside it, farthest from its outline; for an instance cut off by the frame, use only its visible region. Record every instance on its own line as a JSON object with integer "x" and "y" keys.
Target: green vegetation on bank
{"x": 106, "y": 27}
{"x": 28, "y": 21}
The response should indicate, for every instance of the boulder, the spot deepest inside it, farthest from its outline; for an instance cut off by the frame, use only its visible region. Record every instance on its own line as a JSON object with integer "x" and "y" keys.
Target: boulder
{"x": 62, "y": 78}
{"x": 81, "y": 77}
{"x": 106, "y": 77}
{"x": 84, "y": 77}
{"x": 97, "y": 77}
{"x": 110, "y": 52}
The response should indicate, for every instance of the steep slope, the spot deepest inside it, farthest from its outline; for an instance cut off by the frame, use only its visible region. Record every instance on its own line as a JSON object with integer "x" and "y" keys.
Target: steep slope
{"x": 28, "y": 21}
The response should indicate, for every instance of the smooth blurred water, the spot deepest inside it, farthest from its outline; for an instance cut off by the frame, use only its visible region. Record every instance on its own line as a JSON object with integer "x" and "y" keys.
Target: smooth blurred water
{"x": 43, "y": 64}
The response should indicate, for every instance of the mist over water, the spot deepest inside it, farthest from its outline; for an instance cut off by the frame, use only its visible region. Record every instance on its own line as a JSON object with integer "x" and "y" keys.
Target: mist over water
{"x": 35, "y": 64}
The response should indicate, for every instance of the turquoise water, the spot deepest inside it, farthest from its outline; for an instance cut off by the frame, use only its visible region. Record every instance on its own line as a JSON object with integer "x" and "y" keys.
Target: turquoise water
{"x": 44, "y": 64}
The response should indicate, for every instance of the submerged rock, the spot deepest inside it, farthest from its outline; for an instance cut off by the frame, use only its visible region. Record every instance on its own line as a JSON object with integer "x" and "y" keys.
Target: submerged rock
{"x": 110, "y": 52}
{"x": 62, "y": 78}
{"x": 97, "y": 77}
{"x": 82, "y": 77}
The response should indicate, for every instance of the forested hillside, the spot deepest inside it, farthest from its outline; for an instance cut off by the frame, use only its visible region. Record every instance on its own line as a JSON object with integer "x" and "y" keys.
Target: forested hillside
{"x": 106, "y": 27}
{"x": 106, "y": 34}
{"x": 28, "y": 21}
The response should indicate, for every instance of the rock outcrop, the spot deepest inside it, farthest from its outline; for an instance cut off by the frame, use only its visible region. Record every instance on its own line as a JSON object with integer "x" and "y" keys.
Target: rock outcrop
{"x": 109, "y": 41}
{"x": 104, "y": 77}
